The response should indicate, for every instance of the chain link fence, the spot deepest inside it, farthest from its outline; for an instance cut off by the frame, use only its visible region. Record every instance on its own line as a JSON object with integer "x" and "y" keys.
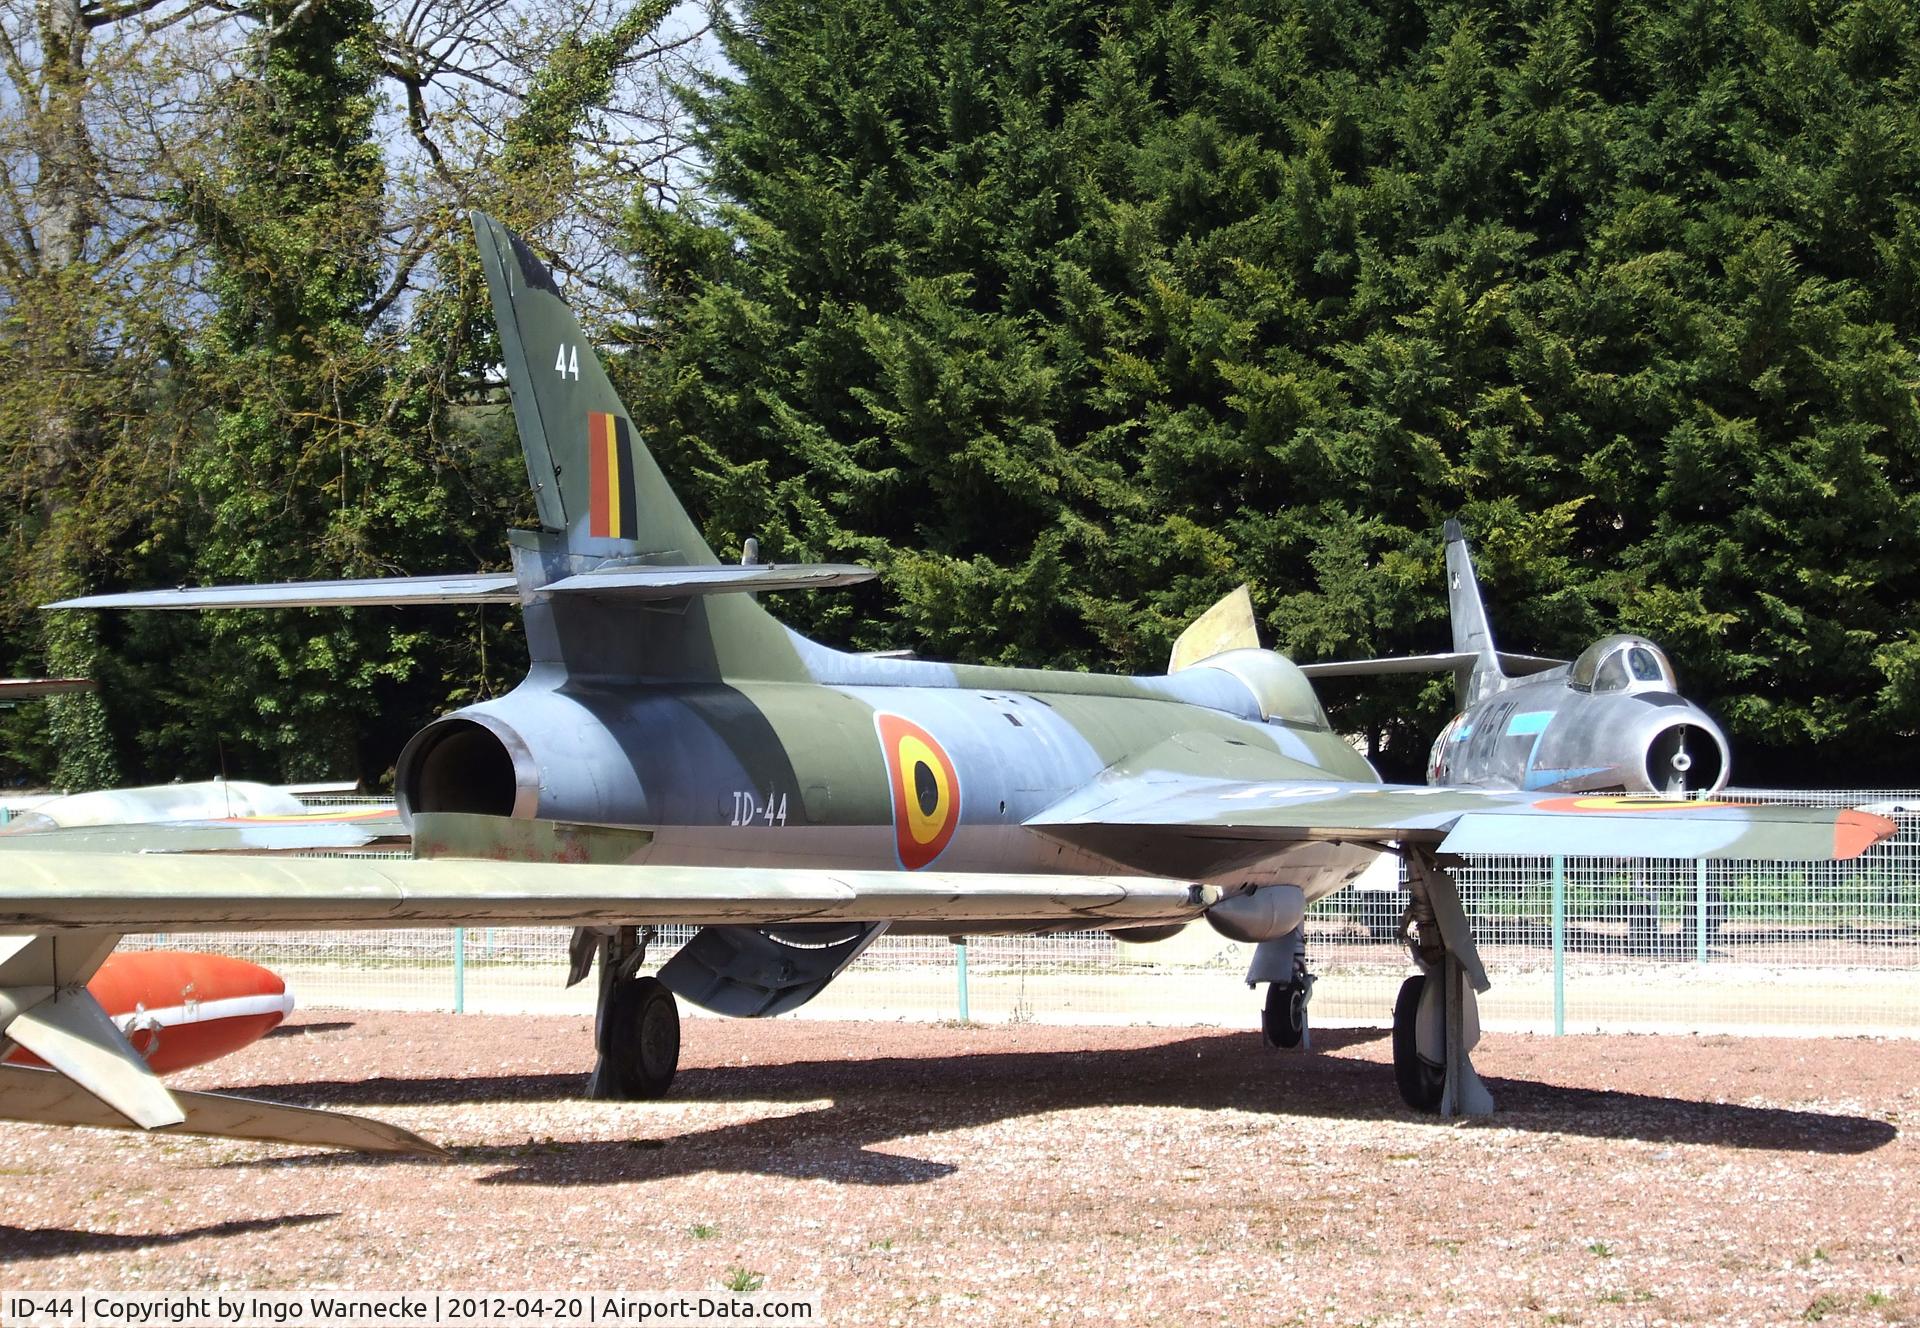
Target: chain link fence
{"x": 1578, "y": 945}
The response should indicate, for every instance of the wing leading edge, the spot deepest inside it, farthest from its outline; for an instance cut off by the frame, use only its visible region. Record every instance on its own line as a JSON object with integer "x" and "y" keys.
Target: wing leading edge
{"x": 149, "y": 892}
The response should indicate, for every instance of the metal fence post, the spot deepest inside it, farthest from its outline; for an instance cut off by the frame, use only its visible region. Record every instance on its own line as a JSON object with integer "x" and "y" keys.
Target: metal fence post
{"x": 459, "y": 970}
{"x": 960, "y": 951}
{"x": 1559, "y": 945}
{"x": 1700, "y": 911}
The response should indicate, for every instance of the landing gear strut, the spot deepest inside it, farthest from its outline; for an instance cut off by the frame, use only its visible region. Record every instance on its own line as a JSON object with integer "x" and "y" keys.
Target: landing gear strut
{"x": 1436, "y": 1017}
{"x": 636, "y": 1028}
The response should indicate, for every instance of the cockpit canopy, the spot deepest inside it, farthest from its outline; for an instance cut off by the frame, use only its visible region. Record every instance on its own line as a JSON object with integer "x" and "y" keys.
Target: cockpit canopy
{"x": 1622, "y": 663}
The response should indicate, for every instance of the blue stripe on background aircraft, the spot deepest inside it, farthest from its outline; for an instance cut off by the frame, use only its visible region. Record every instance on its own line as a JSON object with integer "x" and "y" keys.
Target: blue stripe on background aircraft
{"x": 675, "y": 754}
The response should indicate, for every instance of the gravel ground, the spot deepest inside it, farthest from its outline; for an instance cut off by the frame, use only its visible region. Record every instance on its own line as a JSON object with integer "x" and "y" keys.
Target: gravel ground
{"x": 1029, "y": 1174}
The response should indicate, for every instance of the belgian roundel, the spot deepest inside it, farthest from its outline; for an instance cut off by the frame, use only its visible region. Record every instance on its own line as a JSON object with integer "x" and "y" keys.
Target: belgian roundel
{"x": 926, "y": 790}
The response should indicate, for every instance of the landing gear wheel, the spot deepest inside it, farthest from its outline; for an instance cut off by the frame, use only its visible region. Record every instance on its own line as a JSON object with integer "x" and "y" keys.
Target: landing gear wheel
{"x": 1284, "y": 1022}
{"x": 1421, "y": 1081}
{"x": 639, "y": 1042}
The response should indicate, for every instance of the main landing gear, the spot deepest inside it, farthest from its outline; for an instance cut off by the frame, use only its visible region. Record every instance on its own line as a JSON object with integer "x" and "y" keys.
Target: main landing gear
{"x": 1436, "y": 1018}
{"x": 1284, "y": 1021}
{"x": 1282, "y": 965}
{"x": 636, "y": 1027}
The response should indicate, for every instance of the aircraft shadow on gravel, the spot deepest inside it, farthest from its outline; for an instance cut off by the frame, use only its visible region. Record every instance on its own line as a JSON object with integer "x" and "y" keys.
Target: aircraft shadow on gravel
{"x": 874, "y": 1102}
{"x": 25, "y": 1243}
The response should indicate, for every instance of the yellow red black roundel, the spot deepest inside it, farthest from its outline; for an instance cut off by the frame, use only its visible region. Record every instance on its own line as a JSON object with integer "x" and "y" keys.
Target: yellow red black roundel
{"x": 926, "y": 790}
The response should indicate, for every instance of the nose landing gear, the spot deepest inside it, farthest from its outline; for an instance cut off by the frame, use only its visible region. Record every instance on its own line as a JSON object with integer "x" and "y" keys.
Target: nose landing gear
{"x": 1282, "y": 965}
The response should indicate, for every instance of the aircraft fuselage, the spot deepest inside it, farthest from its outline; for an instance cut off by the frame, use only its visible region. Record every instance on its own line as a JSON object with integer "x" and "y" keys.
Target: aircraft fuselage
{"x": 1612, "y": 723}
{"x": 881, "y": 764}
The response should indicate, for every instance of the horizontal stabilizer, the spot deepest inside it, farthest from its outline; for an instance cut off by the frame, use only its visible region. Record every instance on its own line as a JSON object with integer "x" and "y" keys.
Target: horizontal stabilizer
{"x": 45, "y": 1098}
{"x": 680, "y": 582}
{"x": 1515, "y": 665}
{"x": 469, "y": 588}
{"x": 627, "y": 582}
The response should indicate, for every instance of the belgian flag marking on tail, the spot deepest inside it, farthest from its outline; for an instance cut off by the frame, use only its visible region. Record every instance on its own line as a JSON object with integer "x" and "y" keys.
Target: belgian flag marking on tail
{"x": 610, "y": 478}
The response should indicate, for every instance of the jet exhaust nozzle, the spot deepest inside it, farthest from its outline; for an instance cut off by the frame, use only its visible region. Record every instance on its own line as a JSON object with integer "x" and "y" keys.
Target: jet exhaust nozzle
{"x": 465, "y": 764}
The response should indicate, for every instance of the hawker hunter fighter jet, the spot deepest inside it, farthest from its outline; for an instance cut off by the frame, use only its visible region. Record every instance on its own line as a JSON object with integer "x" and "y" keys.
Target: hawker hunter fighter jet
{"x": 675, "y": 754}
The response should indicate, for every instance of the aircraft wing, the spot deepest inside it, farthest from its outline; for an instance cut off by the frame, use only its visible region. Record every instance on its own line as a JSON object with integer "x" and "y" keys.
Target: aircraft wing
{"x": 337, "y": 830}
{"x": 148, "y": 892}
{"x": 1149, "y": 805}
{"x": 73, "y": 908}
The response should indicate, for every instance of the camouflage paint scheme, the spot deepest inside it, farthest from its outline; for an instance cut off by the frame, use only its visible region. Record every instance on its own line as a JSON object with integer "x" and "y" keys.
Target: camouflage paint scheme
{"x": 661, "y": 697}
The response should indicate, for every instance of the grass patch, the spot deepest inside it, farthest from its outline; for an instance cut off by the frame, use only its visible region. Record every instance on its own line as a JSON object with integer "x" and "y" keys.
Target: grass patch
{"x": 1822, "y": 1306}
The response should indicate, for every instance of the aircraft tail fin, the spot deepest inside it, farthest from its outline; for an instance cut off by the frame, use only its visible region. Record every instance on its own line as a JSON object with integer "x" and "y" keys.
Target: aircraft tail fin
{"x": 612, "y": 527}
{"x": 1471, "y": 633}
{"x": 593, "y": 479}
{"x": 1228, "y": 625}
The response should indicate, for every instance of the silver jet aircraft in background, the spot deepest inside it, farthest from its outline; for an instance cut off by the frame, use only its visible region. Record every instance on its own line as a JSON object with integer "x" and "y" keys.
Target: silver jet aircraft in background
{"x": 1612, "y": 721}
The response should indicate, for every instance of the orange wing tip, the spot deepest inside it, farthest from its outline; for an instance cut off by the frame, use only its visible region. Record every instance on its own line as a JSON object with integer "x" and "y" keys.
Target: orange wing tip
{"x": 1855, "y": 832}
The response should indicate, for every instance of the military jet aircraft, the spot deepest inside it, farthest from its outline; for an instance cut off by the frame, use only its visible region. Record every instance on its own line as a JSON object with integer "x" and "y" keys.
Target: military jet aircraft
{"x": 676, "y": 754}
{"x": 1611, "y": 722}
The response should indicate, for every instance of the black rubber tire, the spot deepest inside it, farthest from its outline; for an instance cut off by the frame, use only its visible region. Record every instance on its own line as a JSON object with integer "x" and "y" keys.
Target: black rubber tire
{"x": 639, "y": 1042}
{"x": 1421, "y": 1082}
{"x": 1284, "y": 1021}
